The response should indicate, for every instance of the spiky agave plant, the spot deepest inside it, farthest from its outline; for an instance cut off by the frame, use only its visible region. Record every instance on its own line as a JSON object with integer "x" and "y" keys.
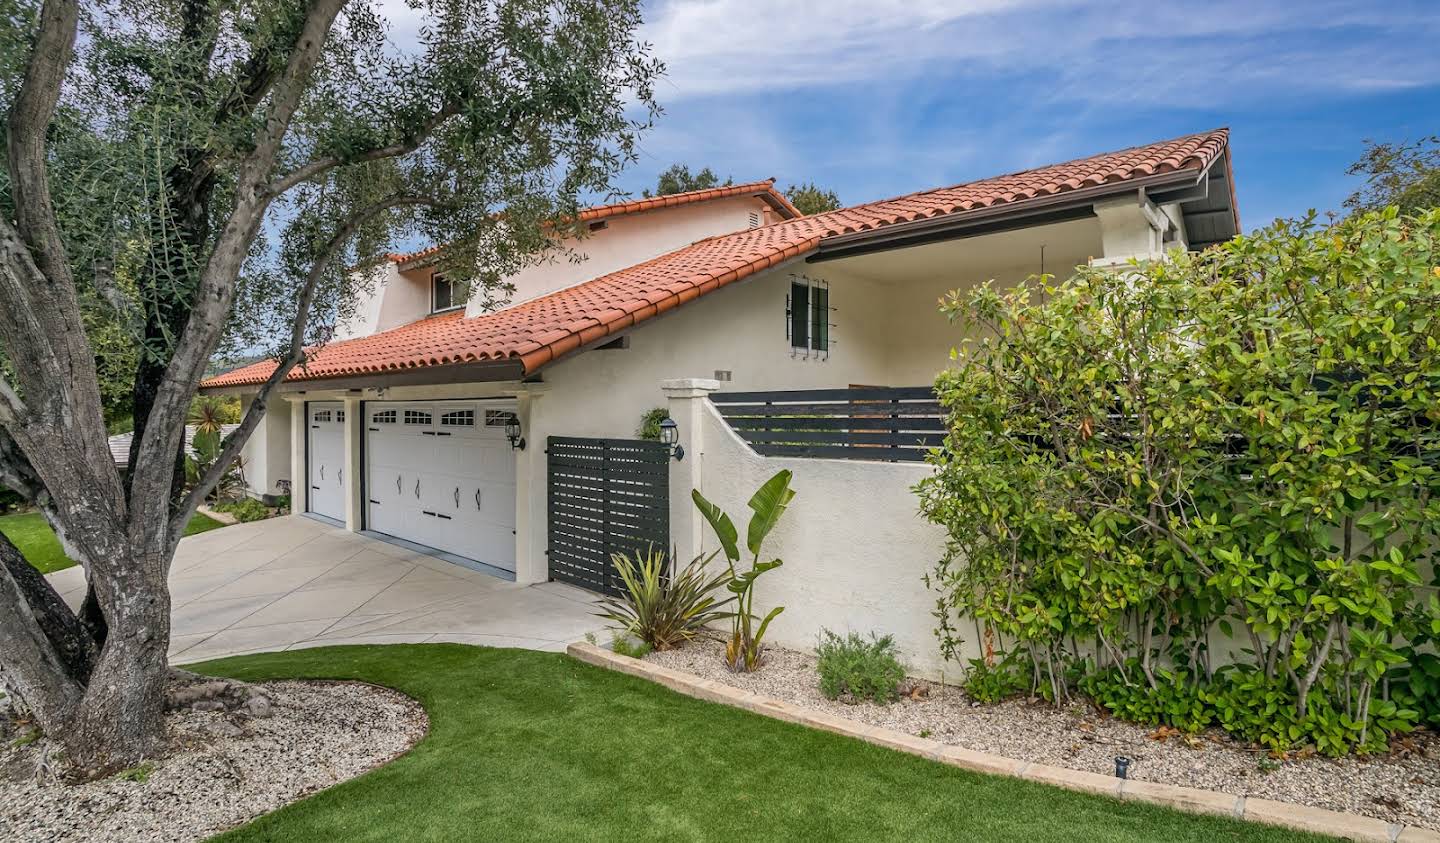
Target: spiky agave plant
{"x": 664, "y": 609}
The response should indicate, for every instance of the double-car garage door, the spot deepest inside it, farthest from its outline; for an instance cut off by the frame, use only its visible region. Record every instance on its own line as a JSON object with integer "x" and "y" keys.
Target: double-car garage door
{"x": 438, "y": 473}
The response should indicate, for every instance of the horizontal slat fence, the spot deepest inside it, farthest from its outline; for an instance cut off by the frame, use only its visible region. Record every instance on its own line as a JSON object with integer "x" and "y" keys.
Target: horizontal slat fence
{"x": 887, "y": 424}
{"x": 606, "y": 496}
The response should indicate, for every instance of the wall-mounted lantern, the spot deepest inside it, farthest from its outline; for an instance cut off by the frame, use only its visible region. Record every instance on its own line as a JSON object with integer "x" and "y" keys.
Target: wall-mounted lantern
{"x": 512, "y": 432}
{"x": 670, "y": 436}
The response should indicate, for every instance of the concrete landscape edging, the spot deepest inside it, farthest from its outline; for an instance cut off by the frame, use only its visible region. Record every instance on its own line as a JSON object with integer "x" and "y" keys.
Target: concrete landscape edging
{"x": 1193, "y": 800}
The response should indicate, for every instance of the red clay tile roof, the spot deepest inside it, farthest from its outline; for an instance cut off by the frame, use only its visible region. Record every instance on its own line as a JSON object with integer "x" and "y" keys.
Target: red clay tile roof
{"x": 544, "y": 329}
{"x": 765, "y": 190}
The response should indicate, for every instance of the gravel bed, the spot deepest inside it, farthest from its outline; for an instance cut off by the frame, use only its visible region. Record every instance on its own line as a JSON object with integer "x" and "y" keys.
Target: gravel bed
{"x": 223, "y": 771}
{"x": 1403, "y": 786}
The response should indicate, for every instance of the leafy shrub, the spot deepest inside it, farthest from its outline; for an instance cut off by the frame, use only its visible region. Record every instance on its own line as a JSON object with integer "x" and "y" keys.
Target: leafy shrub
{"x": 1237, "y": 446}
{"x": 649, "y": 428}
{"x": 864, "y": 669}
{"x": 661, "y": 608}
{"x": 245, "y": 509}
{"x": 10, "y": 500}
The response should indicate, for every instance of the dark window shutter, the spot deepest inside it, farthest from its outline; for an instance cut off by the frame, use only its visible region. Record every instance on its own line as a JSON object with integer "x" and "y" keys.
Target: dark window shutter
{"x": 799, "y": 315}
{"x": 820, "y": 329}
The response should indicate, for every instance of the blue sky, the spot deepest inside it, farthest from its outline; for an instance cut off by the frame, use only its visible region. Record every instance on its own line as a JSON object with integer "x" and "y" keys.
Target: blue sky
{"x": 881, "y": 97}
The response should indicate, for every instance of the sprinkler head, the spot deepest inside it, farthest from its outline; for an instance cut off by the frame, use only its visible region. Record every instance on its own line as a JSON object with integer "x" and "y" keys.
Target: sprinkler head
{"x": 1122, "y": 766}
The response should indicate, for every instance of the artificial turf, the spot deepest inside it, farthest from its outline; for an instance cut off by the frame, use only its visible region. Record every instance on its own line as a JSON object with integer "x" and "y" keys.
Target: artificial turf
{"x": 36, "y": 541}
{"x": 538, "y": 746}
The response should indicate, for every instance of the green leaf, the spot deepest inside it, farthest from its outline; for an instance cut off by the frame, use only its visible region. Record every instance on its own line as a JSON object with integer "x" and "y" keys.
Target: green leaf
{"x": 768, "y": 503}
{"x": 722, "y": 525}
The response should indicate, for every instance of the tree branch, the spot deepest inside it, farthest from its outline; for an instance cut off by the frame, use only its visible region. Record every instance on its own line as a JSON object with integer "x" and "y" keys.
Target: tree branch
{"x": 151, "y": 483}
{"x": 294, "y": 354}
{"x": 33, "y": 667}
{"x": 28, "y": 121}
{"x": 394, "y": 150}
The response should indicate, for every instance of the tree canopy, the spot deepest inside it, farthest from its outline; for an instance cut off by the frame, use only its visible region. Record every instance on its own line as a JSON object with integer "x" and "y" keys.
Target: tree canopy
{"x": 1406, "y": 175}
{"x": 182, "y": 173}
{"x": 810, "y": 198}
{"x": 677, "y": 178}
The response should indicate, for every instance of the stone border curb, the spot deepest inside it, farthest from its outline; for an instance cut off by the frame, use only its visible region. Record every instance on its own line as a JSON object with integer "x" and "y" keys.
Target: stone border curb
{"x": 223, "y": 517}
{"x": 1190, "y": 799}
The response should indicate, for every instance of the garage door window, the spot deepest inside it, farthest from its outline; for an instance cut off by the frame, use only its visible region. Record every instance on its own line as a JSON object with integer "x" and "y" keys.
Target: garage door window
{"x": 322, "y": 415}
{"x": 384, "y": 417}
{"x": 458, "y": 418}
{"x": 497, "y": 418}
{"x": 417, "y": 417}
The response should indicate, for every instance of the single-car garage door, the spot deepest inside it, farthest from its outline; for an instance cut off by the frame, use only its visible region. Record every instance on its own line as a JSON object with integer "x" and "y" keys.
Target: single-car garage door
{"x": 442, "y": 474}
{"x": 326, "y": 470}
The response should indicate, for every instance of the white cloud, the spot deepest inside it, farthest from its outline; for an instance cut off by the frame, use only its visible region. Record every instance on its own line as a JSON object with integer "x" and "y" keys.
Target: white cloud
{"x": 1127, "y": 51}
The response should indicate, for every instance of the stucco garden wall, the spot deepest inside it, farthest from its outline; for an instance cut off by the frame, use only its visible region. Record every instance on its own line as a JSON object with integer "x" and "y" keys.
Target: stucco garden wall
{"x": 855, "y": 549}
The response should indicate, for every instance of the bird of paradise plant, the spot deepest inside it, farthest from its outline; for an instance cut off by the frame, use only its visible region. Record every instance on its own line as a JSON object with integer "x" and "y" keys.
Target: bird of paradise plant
{"x": 744, "y": 651}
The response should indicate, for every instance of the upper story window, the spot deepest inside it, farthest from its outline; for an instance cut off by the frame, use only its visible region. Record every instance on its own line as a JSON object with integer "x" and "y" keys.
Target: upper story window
{"x": 808, "y": 317}
{"x": 447, "y": 294}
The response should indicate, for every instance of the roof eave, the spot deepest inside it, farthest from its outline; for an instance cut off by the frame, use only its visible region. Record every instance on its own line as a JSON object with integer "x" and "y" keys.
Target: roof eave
{"x": 484, "y": 371}
{"x": 900, "y": 235}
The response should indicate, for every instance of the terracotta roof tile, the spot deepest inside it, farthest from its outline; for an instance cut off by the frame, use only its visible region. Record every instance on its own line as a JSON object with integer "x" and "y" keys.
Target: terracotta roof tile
{"x": 544, "y": 329}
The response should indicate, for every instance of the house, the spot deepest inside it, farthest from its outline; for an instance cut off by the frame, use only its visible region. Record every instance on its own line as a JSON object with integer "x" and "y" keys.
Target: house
{"x": 506, "y": 440}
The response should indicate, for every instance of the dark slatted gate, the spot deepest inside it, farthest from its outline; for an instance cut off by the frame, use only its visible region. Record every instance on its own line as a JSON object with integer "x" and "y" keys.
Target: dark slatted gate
{"x": 606, "y": 496}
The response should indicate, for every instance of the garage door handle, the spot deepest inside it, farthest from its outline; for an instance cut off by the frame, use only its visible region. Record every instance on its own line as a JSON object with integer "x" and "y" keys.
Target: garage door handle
{"x": 341, "y": 479}
{"x": 417, "y": 488}
{"x": 322, "y": 472}
{"x": 477, "y": 498}
{"x": 397, "y": 484}
{"x": 457, "y": 497}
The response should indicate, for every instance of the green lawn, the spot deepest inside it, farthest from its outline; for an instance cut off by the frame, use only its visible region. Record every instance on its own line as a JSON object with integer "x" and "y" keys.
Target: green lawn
{"x": 29, "y": 532}
{"x": 537, "y": 746}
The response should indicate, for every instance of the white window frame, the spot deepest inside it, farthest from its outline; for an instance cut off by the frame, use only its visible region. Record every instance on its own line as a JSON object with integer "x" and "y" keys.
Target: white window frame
{"x": 435, "y": 280}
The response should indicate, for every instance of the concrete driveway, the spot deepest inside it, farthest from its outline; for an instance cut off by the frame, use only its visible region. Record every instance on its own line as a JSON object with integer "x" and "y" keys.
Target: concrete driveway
{"x": 293, "y": 582}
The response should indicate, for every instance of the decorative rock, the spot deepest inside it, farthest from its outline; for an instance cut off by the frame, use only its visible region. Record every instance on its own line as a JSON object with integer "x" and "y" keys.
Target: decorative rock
{"x": 225, "y": 729}
{"x": 207, "y": 705}
{"x": 258, "y": 706}
{"x": 217, "y": 775}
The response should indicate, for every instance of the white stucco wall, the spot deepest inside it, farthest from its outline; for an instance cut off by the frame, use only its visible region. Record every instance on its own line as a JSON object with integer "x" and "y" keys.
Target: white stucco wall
{"x": 855, "y": 549}
{"x": 267, "y": 453}
{"x": 391, "y": 297}
{"x": 628, "y": 240}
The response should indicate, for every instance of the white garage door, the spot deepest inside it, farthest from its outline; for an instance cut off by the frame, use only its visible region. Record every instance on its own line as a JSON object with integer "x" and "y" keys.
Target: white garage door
{"x": 327, "y": 459}
{"x": 442, "y": 474}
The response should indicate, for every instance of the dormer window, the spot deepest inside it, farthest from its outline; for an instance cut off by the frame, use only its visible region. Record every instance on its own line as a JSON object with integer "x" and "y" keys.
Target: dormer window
{"x": 447, "y": 294}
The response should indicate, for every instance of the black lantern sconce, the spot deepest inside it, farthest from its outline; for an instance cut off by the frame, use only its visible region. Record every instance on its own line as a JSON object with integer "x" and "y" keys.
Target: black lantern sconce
{"x": 670, "y": 435}
{"x": 512, "y": 432}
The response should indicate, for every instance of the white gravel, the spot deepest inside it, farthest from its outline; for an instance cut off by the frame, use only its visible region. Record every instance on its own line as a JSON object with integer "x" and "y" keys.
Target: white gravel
{"x": 1403, "y": 786}
{"x": 320, "y": 734}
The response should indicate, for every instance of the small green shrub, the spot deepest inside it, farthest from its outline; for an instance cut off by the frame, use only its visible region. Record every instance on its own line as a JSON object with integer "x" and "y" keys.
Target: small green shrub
{"x": 245, "y": 509}
{"x": 661, "y": 608}
{"x": 627, "y": 646}
{"x": 866, "y": 669}
{"x": 10, "y": 500}
{"x": 649, "y": 428}
{"x": 138, "y": 774}
{"x": 992, "y": 683}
